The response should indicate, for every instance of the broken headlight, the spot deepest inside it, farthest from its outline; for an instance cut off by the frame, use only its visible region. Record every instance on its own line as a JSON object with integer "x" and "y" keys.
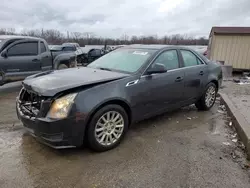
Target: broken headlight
{"x": 60, "y": 107}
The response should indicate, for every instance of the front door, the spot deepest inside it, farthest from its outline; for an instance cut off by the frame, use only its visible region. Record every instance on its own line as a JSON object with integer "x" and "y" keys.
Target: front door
{"x": 22, "y": 60}
{"x": 159, "y": 92}
{"x": 196, "y": 72}
{"x": 46, "y": 57}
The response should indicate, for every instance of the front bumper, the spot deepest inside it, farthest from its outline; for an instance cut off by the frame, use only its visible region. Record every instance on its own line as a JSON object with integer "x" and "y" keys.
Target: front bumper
{"x": 58, "y": 134}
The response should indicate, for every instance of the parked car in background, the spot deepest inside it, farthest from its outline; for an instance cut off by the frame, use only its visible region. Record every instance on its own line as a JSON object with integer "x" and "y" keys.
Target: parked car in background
{"x": 69, "y": 48}
{"x": 97, "y": 104}
{"x": 21, "y": 56}
{"x": 91, "y": 53}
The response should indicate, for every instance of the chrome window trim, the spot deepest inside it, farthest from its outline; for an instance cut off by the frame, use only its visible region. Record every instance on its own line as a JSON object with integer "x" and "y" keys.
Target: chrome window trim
{"x": 173, "y": 70}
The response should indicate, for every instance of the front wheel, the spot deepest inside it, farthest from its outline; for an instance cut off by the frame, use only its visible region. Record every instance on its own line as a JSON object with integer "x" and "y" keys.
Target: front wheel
{"x": 62, "y": 66}
{"x": 208, "y": 98}
{"x": 107, "y": 128}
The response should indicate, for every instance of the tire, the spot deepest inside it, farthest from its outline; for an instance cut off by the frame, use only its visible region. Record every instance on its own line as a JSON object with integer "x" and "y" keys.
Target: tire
{"x": 201, "y": 104}
{"x": 62, "y": 66}
{"x": 95, "y": 137}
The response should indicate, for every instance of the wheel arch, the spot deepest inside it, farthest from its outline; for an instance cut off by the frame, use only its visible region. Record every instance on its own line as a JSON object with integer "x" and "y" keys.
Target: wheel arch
{"x": 2, "y": 74}
{"x": 215, "y": 82}
{"x": 117, "y": 101}
{"x": 63, "y": 59}
{"x": 124, "y": 104}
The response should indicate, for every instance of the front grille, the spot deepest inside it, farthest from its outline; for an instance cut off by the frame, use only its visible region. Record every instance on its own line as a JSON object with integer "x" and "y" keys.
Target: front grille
{"x": 29, "y": 103}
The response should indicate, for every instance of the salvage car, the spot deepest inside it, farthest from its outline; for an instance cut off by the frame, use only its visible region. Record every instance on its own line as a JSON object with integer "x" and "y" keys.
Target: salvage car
{"x": 98, "y": 103}
{"x": 91, "y": 53}
{"x": 21, "y": 56}
{"x": 66, "y": 49}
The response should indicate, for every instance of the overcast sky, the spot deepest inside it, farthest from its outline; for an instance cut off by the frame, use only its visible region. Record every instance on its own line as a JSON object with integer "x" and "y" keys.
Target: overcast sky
{"x": 113, "y": 18}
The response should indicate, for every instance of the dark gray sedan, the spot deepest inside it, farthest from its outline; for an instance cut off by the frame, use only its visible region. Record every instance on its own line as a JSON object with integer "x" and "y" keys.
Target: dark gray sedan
{"x": 97, "y": 104}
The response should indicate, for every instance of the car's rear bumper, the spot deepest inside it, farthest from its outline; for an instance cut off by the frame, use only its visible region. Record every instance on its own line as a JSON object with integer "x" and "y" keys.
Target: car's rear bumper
{"x": 58, "y": 134}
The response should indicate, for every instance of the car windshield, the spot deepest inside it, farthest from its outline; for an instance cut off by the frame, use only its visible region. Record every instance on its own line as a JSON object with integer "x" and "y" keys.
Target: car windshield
{"x": 68, "y": 48}
{"x": 55, "y": 48}
{"x": 124, "y": 60}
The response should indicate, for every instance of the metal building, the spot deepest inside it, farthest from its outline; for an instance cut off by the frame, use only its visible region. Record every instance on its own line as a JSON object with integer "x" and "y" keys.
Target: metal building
{"x": 231, "y": 46}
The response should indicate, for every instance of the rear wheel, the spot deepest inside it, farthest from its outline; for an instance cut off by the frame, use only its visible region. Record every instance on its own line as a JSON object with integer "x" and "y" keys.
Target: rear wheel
{"x": 208, "y": 98}
{"x": 62, "y": 66}
{"x": 107, "y": 128}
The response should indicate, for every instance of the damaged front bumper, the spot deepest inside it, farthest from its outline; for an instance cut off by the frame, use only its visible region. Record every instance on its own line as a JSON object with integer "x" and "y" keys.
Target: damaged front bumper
{"x": 58, "y": 134}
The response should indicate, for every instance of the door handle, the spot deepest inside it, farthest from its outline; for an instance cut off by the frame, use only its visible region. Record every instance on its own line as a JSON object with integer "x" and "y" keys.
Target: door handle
{"x": 179, "y": 79}
{"x": 35, "y": 60}
{"x": 201, "y": 73}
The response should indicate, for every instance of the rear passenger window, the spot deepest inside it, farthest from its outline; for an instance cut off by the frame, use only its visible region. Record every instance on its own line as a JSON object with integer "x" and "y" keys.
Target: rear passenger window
{"x": 189, "y": 58}
{"x": 43, "y": 48}
{"x": 169, "y": 59}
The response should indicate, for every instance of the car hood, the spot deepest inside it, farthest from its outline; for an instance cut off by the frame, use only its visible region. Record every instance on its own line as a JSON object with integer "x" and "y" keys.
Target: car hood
{"x": 50, "y": 83}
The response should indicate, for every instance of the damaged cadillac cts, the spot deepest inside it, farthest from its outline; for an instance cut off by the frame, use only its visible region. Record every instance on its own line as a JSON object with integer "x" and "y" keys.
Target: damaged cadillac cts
{"x": 97, "y": 104}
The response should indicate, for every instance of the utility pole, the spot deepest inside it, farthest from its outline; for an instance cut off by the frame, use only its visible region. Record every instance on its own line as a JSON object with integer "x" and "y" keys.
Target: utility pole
{"x": 42, "y": 33}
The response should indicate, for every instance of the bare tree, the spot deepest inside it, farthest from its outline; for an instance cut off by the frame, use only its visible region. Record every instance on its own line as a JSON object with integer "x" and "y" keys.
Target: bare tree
{"x": 7, "y": 31}
{"x": 88, "y": 38}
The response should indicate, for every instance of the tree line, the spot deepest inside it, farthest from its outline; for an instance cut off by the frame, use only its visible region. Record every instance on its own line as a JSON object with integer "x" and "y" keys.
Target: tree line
{"x": 54, "y": 37}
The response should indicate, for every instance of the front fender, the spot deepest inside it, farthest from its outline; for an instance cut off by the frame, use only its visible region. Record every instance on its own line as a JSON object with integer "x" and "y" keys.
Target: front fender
{"x": 89, "y": 100}
{"x": 63, "y": 58}
{"x": 107, "y": 101}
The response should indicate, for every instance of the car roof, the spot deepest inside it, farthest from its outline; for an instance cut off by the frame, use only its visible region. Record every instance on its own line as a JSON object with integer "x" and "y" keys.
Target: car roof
{"x": 69, "y": 44}
{"x": 156, "y": 46}
{"x": 4, "y": 37}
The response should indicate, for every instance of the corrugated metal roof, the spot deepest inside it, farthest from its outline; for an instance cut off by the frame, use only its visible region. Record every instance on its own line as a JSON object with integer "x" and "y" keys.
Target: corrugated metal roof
{"x": 230, "y": 30}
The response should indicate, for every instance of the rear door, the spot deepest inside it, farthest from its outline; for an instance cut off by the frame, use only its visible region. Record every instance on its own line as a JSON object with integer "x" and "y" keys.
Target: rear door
{"x": 45, "y": 57}
{"x": 22, "y": 59}
{"x": 196, "y": 73}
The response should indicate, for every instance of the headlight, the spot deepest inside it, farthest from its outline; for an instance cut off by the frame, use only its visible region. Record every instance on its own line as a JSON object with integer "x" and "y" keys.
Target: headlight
{"x": 60, "y": 107}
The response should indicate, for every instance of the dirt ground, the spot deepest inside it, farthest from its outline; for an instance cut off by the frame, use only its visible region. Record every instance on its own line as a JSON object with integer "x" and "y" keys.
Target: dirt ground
{"x": 165, "y": 151}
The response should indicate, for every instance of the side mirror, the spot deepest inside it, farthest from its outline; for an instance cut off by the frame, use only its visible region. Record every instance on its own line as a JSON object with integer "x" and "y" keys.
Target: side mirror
{"x": 4, "y": 54}
{"x": 157, "y": 68}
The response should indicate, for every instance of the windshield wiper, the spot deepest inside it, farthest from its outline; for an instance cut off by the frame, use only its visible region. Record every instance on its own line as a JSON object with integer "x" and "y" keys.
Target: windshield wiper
{"x": 102, "y": 68}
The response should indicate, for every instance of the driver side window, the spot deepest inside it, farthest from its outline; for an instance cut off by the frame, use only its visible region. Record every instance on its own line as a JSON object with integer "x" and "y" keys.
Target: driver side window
{"x": 169, "y": 59}
{"x": 24, "y": 49}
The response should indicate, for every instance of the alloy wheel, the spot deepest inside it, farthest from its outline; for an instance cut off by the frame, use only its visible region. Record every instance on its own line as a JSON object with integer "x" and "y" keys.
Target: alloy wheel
{"x": 109, "y": 128}
{"x": 210, "y": 96}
